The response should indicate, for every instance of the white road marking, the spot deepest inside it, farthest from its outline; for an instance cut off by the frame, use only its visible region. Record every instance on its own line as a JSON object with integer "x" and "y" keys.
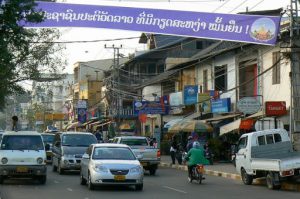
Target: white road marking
{"x": 69, "y": 189}
{"x": 180, "y": 191}
{"x": 84, "y": 198}
{"x": 56, "y": 182}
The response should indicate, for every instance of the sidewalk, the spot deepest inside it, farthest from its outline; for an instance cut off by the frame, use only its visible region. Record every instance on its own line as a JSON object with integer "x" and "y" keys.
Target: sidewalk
{"x": 226, "y": 170}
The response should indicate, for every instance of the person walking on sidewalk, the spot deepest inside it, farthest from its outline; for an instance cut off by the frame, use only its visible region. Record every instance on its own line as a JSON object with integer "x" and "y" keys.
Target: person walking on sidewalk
{"x": 173, "y": 149}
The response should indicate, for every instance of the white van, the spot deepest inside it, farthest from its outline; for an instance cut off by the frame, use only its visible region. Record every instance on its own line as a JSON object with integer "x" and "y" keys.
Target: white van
{"x": 268, "y": 153}
{"x": 23, "y": 154}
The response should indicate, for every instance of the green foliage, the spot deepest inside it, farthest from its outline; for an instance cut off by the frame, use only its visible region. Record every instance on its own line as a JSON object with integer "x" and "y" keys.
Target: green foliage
{"x": 25, "y": 52}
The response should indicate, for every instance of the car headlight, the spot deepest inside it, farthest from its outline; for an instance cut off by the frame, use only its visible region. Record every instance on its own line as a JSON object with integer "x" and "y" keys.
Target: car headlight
{"x": 137, "y": 169}
{"x": 39, "y": 160}
{"x": 4, "y": 160}
{"x": 100, "y": 168}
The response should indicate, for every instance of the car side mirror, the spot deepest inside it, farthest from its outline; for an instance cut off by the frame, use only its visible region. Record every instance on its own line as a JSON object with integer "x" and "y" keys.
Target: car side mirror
{"x": 47, "y": 147}
{"x": 139, "y": 156}
{"x": 85, "y": 156}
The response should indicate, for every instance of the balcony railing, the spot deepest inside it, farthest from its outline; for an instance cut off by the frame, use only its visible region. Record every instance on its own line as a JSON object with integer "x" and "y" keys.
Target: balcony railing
{"x": 121, "y": 112}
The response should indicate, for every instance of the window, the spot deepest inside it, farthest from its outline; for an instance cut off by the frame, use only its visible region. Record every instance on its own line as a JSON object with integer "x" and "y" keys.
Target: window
{"x": 205, "y": 81}
{"x": 221, "y": 78}
{"x": 276, "y": 68}
{"x": 277, "y": 137}
{"x": 269, "y": 139}
{"x": 134, "y": 142}
{"x": 261, "y": 140}
{"x": 242, "y": 143}
{"x": 199, "y": 44}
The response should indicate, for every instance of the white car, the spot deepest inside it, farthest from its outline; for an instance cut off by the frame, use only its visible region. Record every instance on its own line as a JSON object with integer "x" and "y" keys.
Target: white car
{"x": 111, "y": 164}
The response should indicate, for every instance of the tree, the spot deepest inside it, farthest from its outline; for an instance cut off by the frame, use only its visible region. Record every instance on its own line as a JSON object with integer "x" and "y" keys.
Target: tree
{"x": 25, "y": 53}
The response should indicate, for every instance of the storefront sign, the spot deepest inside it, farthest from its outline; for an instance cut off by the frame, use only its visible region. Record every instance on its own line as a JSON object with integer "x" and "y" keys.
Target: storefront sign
{"x": 204, "y": 101}
{"x": 232, "y": 27}
{"x": 176, "y": 99}
{"x": 276, "y": 108}
{"x": 248, "y": 105}
{"x": 149, "y": 107}
{"x": 190, "y": 94}
{"x": 220, "y": 105}
{"x": 246, "y": 124}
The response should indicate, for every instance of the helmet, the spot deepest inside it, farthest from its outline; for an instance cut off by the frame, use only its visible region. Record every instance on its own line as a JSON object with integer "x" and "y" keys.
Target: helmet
{"x": 190, "y": 137}
{"x": 196, "y": 145}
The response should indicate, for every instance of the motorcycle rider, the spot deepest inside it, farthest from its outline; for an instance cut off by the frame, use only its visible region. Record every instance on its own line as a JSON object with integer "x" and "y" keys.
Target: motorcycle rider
{"x": 195, "y": 156}
{"x": 189, "y": 143}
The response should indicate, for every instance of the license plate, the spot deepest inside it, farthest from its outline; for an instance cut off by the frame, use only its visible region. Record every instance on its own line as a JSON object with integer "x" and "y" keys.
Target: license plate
{"x": 144, "y": 164}
{"x": 22, "y": 169}
{"x": 119, "y": 177}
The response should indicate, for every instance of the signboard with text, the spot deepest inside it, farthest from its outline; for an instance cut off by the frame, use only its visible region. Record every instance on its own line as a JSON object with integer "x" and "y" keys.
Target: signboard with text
{"x": 232, "y": 27}
{"x": 190, "y": 94}
{"x": 220, "y": 105}
{"x": 149, "y": 107}
{"x": 276, "y": 108}
{"x": 248, "y": 105}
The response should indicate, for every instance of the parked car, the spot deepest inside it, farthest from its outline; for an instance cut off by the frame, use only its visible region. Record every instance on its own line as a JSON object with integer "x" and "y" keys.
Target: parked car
{"x": 267, "y": 153}
{"x": 140, "y": 146}
{"x": 48, "y": 139}
{"x": 111, "y": 164}
{"x": 22, "y": 155}
{"x": 68, "y": 149}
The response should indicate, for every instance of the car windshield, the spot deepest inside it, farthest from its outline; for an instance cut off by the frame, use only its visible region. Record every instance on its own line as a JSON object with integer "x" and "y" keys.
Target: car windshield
{"x": 113, "y": 153}
{"x": 22, "y": 142}
{"x": 48, "y": 138}
{"x": 83, "y": 140}
{"x": 134, "y": 142}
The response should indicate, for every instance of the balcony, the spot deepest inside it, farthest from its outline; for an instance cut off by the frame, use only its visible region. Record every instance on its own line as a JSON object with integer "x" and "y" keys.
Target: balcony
{"x": 122, "y": 113}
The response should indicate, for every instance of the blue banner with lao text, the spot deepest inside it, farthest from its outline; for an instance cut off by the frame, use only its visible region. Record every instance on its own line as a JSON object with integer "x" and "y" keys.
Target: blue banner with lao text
{"x": 220, "y": 105}
{"x": 232, "y": 27}
{"x": 190, "y": 94}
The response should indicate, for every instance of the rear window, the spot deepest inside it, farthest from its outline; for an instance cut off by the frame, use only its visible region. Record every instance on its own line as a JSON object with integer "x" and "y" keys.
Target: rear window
{"x": 20, "y": 142}
{"x": 78, "y": 140}
{"x": 134, "y": 142}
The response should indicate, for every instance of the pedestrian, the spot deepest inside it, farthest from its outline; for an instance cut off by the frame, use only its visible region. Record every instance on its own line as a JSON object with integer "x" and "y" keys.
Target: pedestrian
{"x": 189, "y": 144}
{"x": 154, "y": 143}
{"x": 173, "y": 149}
{"x": 98, "y": 136}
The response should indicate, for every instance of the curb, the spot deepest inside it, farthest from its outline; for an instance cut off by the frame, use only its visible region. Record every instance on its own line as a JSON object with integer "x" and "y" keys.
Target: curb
{"x": 260, "y": 181}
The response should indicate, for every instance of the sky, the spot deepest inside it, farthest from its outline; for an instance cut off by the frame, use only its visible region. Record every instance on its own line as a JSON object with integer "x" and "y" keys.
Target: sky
{"x": 93, "y": 51}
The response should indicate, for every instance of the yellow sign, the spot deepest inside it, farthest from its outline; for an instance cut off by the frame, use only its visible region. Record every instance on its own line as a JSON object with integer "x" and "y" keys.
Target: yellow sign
{"x": 58, "y": 116}
{"x": 39, "y": 116}
{"x": 49, "y": 116}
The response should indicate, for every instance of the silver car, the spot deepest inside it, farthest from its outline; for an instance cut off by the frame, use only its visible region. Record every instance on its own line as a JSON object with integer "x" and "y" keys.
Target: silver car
{"x": 111, "y": 164}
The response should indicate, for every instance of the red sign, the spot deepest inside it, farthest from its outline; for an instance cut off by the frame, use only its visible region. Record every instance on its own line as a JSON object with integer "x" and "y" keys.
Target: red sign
{"x": 246, "y": 124}
{"x": 275, "y": 108}
{"x": 143, "y": 118}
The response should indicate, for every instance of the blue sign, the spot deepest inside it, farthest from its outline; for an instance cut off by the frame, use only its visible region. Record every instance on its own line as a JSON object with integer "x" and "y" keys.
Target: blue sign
{"x": 149, "y": 107}
{"x": 232, "y": 27}
{"x": 220, "y": 105}
{"x": 81, "y": 115}
{"x": 190, "y": 95}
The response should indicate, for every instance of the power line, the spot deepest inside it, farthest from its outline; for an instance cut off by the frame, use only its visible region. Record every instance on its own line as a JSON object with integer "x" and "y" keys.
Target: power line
{"x": 238, "y": 6}
{"x": 227, "y": 1}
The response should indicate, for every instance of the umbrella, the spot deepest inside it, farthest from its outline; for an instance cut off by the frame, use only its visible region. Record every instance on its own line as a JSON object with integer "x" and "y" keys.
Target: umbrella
{"x": 196, "y": 126}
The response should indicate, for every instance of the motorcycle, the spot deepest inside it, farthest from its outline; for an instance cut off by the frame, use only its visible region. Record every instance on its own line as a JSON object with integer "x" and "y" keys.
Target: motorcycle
{"x": 197, "y": 174}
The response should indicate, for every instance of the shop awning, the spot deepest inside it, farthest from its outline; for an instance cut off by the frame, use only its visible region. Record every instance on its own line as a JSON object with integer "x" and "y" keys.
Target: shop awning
{"x": 230, "y": 127}
{"x": 218, "y": 118}
{"x": 100, "y": 125}
{"x": 256, "y": 115}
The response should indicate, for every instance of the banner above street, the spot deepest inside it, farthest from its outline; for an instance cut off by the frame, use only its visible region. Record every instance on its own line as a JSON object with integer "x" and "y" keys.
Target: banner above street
{"x": 232, "y": 27}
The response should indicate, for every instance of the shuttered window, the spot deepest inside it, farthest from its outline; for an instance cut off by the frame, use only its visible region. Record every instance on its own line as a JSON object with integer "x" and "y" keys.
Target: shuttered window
{"x": 276, "y": 68}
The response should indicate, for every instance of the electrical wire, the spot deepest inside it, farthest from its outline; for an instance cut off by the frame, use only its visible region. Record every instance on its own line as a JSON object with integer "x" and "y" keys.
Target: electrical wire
{"x": 238, "y": 6}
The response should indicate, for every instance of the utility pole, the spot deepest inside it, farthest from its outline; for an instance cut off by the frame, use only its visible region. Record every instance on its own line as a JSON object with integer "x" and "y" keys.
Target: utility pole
{"x": 116, "y": 79}
{"x": 295, "y": 75}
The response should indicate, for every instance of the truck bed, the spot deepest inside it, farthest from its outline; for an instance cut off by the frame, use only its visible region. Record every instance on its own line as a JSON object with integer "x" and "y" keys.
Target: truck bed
{"x": 276, "y": 157}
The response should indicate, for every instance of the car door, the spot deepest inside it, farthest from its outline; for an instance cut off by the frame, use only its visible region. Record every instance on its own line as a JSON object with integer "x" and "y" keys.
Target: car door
{"x": 56, "y": 152}
{"x": 242, "y": 155}
{"x": 85, "y": 161}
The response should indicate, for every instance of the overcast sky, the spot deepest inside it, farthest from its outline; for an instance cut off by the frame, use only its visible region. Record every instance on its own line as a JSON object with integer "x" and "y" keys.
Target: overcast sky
{"x": 93, "y": 51}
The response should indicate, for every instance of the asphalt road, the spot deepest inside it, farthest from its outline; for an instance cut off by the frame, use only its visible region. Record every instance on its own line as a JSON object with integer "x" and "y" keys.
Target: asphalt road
{"x": 168, "y": 183}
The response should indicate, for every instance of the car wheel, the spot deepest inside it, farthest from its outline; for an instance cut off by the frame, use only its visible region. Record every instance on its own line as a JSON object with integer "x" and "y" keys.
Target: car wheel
{"x": 247, "y": 179}
{"x": 59, "y": 169}
{"x": 82, "y": 180}
{"x": 152, "y": 171}
{"x": 42, "y": 179}
{"x": 139, "y": 187}
{"x": 1, "y": 179}
{"x": 90, "y": 184}
{"x": 54, "y": 168}
{"x": 270, "y": 182}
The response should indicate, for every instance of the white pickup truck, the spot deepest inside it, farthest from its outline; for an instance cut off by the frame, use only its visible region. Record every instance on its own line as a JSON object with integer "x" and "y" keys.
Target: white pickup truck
{"x": 267, "y": 153}
{"x": 140, "y": 146}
